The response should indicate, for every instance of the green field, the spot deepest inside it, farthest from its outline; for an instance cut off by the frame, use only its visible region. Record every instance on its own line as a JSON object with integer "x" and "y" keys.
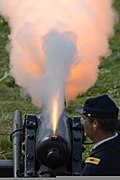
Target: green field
{"x": 10, "y": 94}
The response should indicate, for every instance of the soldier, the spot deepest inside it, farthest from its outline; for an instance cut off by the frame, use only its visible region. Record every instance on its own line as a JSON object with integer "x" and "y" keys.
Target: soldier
{"x": 99, "y": 117}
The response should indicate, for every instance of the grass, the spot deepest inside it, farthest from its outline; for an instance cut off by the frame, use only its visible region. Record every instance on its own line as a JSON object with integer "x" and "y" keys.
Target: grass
{"x": 10, "y": 94}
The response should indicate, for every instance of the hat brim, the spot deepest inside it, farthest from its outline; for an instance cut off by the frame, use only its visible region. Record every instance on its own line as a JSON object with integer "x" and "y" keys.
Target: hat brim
{"x": 78, "y": 110}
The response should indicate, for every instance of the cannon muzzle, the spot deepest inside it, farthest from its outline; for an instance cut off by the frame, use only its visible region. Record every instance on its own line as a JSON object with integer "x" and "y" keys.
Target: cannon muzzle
{"x": 53, "y": 151}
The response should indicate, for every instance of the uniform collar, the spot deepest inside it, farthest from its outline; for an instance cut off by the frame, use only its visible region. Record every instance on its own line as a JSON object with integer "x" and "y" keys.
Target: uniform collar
{"x": 107, "y": 139}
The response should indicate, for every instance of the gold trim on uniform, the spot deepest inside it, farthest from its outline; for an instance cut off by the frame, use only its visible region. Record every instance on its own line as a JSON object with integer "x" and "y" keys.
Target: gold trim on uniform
{"x": 92, "y": 160}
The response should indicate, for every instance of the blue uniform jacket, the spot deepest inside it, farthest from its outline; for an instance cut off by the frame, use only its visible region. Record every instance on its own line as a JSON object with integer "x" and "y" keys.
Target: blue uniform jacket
{"x": 104, "y": 160}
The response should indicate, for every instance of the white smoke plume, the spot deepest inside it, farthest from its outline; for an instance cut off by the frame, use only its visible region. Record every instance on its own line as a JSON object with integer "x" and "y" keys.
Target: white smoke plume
{"x": 56, "y": 45}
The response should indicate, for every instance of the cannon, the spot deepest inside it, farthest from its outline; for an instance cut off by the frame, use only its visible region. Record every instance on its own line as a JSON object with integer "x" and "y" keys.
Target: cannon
{"x": 37, "y": 152}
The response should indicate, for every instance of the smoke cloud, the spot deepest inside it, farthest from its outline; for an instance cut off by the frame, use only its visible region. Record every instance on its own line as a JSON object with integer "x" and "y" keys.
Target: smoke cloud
{"x": 56, "y": 45}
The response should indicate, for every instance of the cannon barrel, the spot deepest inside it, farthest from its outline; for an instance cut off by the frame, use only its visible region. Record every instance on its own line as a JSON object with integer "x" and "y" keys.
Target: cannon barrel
{"x": 60, "y": 152}
{"x": 53, "y": 151}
